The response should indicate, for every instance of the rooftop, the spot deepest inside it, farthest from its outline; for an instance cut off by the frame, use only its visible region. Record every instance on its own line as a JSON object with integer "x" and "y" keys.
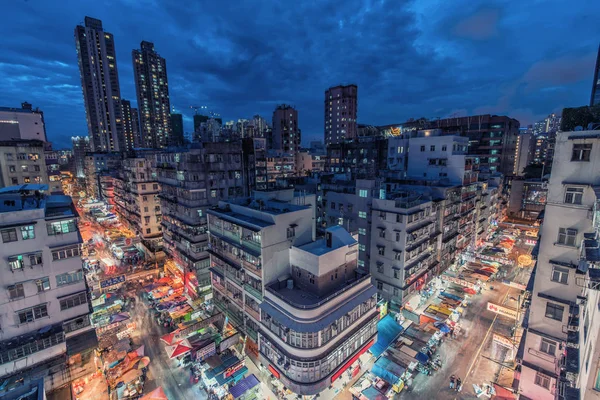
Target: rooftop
{"x": 33, "y": 197}
{"x": 340, "y": 238}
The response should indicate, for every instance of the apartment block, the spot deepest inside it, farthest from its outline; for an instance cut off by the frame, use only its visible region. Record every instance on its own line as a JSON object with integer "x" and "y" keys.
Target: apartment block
{"x": 306, "y": 308}
{"x": 136, "y": 192}
{"x": 347, "y": 203}
{"x": 357, "y": 160}
{"x": 22, "y": 162}
{"x": 98, "y": 70}
{"x": 559, "y": 354}
{"x": 192, "y": 181}
{"x": 22, "y": 123}
{"x": 96, "y": 167}
{"x": 46, "y": 330}
{"x": 341, "y": 109}
{"x": 285, "y": 136}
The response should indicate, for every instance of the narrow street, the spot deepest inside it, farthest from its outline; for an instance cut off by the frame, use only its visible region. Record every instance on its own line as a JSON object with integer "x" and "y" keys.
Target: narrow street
{"x": 162, "y": 371}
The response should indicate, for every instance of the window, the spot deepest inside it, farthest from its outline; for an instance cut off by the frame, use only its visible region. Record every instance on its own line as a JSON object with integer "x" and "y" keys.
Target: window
{"x": 16, "y": 291}
{"x": 399, "y": 218}
{"x": 361, "y": 263}
{"x": 36, "y": 168}
{"x": 15, "y": 181}
{"x": 147, "y": 219}
{"x": 397, "y": 255}
{"x": 574, "y": 195}
{"x": 69, "y": 278}
{"x": 560, "y": 274}
{"x": 363, "y": 193}
{"x": 143, "y": 187}
{"x": 362, "y": 214}
{"x": 362, "y": 231}
{"x": 43, "y": 284}
{"x": 291, "y": 232}
{"x": 379, "y": 285}
{"x": 380, "y": 268}
{"x": 397, "y": 236}
{"x": 554, "y": 311}
{"x": 27, "y": 232}
{"x": 567, "y": 236}
{"x": 55, "y": 228}
{"x": 444, "y": 148}
{"x": 12, "y": 168}
{"x": 15, "y": 262}
{"x": 148, "y": 230}
{"x": 548, "y": 347}
{"x": 24, "y": 168}
{"x": 432, "y": 148}
{"x": 581, "y": 152}
{"x": 542, "y": 380}
{"x": 73, "y": 301}
{"x": 33, "y": 313}
{"x": 65, "y": 253}
{"x": 381, "y": 250}
{"x": 361, "y": 247}
{"x": 9, "y": 235}
{"x": 422, "y": 148}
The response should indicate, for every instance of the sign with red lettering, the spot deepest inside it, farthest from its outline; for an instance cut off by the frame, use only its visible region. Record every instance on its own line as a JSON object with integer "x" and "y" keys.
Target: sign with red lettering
{"x": 233, "y": 369}
{"x": 505, "y": 311}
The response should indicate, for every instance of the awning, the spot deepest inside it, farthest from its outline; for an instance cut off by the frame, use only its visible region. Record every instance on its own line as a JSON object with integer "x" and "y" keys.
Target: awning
{"x": 243, "y": 386}
{"x": 179, "y": 349}
{"x": 80, "y": 343}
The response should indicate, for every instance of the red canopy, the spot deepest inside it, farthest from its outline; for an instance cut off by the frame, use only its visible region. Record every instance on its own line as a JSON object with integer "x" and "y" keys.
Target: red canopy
{"x": 168, "y": 338}
{"x": 156, "y": 394}
{"x": 179, "y": 349}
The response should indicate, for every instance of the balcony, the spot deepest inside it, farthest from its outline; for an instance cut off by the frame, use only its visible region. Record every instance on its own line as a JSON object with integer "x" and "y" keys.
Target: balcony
{"x": 255, "y": 314}
{"x": 254, "y": 292}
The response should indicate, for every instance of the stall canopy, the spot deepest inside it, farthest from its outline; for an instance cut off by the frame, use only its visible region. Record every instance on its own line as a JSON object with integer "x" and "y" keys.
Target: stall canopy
{"x": 156, "y": 394}
{"x": 243, "y": 386}
{"x": 388, "y": 370}
{"x": 387, "y": 330}
{"x": 168, "y": 338}
{"x": 442, "y": 327}
{"x": 119, "y": 317}
{"x": 179, "y": 349}
{"x": 422, "y": 358}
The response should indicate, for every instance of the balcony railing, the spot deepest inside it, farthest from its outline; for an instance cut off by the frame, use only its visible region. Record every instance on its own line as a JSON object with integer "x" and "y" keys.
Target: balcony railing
{"x": 322, "y": 301}
{"x": 253, "y": 291}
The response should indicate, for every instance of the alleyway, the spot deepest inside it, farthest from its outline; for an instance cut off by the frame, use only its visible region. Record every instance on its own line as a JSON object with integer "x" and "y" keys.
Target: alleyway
{"x": 162, "y": 371}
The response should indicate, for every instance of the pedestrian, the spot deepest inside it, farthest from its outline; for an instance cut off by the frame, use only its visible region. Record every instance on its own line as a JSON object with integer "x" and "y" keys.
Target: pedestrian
{"x": 452, "y": 379}
{"x": 458, "y": 385}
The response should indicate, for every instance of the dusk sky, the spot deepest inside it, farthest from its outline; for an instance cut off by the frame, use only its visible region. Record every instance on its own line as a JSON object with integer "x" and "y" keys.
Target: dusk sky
{"x": 432, "y": 58}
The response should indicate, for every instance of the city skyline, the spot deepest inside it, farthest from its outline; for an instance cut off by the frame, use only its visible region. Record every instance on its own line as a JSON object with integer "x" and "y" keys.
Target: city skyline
{"x": 224, "y": 68}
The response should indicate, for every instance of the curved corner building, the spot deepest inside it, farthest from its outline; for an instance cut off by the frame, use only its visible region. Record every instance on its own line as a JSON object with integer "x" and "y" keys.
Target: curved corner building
{"x": 304, "y": 301}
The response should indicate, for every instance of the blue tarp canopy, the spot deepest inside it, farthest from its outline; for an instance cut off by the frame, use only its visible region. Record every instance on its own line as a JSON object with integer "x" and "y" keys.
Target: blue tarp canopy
{"x": 388, "y": 370}
{"x": 442, "y": 327}
{"x": 451, "y": 296}
{"x": 387, "y": 330}
{"x": 243, "y": 386}
{"x": 422, "y": 358}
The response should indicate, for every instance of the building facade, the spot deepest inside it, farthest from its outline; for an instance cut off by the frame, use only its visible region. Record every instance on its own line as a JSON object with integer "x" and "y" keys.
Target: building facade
{"x": 136, "y": 192}
{"x": 558, "y": 353}
{"x": 303, "y": 303}
{"x": 81, "y": 146}
{"x": 192, "y": 181}
{"x": 177, "y": 136}
{"x": 100, "y": 84}
{"x": 131, "y": 126}
{"x": 22, "y": 123}
{"x": 286, "y": 135}
{"x": 595, "y": 98}
{"x": 492, "y": 138}
{"x": 45, "y": 309}
{"x": 152, "y": 88}
{"x": 22, "y": 162}
{"x": 341, "y": 109}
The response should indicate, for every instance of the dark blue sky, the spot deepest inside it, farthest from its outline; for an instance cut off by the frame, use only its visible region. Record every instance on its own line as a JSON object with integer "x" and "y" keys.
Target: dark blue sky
{"x": 431, "y": 58}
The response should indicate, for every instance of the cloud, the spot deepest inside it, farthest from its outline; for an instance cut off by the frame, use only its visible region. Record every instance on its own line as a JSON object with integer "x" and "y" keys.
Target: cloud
{"x": 425, "y": 58}
{"x": 481, "y": 25}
